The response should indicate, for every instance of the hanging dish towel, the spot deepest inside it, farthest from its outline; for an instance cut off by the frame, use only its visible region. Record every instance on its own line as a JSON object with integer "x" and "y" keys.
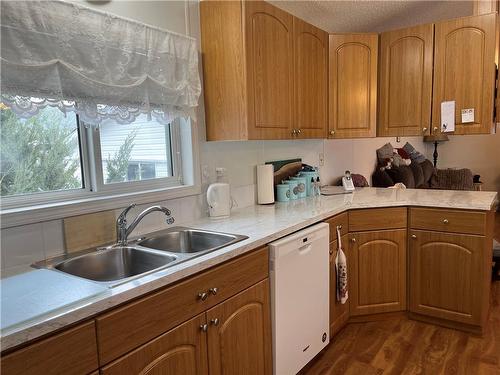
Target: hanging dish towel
{"x": 341, "y": 267}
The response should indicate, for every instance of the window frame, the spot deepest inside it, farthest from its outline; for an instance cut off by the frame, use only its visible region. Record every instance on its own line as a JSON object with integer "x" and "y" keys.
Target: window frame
{"x": 95, "y": 195}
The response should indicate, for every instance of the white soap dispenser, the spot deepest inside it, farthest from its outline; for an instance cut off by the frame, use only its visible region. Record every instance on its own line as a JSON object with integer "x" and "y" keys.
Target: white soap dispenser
{"x": 219, "y": 196}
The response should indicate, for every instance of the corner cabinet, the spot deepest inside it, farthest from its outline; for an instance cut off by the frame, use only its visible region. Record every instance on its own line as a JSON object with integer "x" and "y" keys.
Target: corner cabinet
{"x": 378, "y": 272}
{"x": 464, "y": 71}
{"x": 353, "y": 85}
{"x": 405, "y": 86}
{"x": 264, "y": 72}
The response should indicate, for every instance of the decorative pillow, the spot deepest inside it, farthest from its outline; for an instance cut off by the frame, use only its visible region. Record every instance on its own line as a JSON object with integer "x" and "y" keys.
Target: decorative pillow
{"x": 402, "y": 153}
{"x": 384, "y": 152}
{"x": 402, "y": 174}
{"x": 428, "y": 169}
{"x": 418, "y": 175}
{"x": 452, "y": 179}
{"x": 414, "y": 154}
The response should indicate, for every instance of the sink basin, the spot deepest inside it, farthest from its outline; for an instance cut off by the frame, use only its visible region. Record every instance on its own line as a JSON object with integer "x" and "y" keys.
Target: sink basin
{"x": 187, "y": 240}
{"x": 114, "y": 263}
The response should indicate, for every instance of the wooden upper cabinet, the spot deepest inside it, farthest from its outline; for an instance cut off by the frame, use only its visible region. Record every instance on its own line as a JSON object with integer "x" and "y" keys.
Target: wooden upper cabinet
{"x": 464, "y": 71}
{"x": 311, "y": 80}
{"x": 377, "y": 272}
{"x": 353, "y": 85}
{"x": 239, "y": 333}
{"x": 265, "y": 72}
{"x": 405, "y": 96}
{"x": 269, "y": 54}
{"x": 183, "y": 350}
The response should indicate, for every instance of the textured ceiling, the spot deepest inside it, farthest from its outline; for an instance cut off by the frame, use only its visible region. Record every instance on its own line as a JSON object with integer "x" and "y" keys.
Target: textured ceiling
{"x": 376, "y": 16}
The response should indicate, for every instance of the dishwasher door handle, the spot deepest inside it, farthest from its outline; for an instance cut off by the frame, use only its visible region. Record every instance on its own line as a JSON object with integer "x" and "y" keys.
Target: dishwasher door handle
{"x": 305, "y": 249}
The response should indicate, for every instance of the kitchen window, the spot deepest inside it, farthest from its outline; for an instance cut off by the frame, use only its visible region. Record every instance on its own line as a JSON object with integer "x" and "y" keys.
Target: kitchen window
{"x": 53, "y": 157}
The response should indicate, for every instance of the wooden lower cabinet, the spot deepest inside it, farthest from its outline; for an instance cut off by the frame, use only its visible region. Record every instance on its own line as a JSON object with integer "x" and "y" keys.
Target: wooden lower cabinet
{"x": 447, "y": 276}
{"x": 339, "y": 313}
{"x": 377, "y": 272}
{"x": 233, "y": 337}
{"x": 72, "y": 352}
{"x": 182, "y": 350}
{"x": 239, "y": 333}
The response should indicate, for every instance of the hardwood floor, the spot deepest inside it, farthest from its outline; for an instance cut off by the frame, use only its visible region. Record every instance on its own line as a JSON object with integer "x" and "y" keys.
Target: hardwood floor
{"x": 403, "y": 346}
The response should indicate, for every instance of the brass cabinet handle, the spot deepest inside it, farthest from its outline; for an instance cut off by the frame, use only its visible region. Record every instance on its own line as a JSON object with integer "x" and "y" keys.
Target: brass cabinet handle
{"x": 435, "y": 129}
{"x": 204, "y": 327}
{"x": 299, "y": 131}
{"x": 445, "y": 221}
{"x": 413, "y": 236}
{"x": 353, "y": 239}
{"x": 424, "y": 130}
{"x": 203, "y": 296}
{"x": 213, "y": 291}
{"x": 332, "y": 132}
{"x": 215, "y": 321}
{"x": 331, "y": 251}
{"x": 294, "y": 131}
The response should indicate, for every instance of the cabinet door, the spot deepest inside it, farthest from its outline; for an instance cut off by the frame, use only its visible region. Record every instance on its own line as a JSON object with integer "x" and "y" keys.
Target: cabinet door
{"x": 183, "y": 350}
{"x": 339, "y": 313}
{"x": 269, "y": 58}
{"x": 311, "y": 80}
{"x": 353, "y": 85}
{"x": 464, "y": 71}
{"x": 378, "y": 272}
{"x": 239, "y": 333}
{"x": 445, "y": 275}
{"x": 406, "y": 81}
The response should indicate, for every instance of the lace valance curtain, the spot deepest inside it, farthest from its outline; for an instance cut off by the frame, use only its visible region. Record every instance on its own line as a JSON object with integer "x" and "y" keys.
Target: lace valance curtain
{"x": 96, "y": 64}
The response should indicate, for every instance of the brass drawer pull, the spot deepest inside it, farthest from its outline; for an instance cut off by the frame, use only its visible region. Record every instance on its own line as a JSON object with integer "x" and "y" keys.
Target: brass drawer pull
{"x": 413, "y": 236}
{"x": 445, "y": 221}
{"x": 353, "y": 239}
{"x": 204, "y": 327}
{"x": 203, "y": 296}
{"x": 213, "y": 291}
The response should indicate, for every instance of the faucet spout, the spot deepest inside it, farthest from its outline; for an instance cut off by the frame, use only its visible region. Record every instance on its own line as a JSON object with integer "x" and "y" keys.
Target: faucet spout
{"x": 123, "y": 231}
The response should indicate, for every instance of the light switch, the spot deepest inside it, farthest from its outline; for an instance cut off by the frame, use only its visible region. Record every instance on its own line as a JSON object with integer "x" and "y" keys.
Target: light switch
{"x": 467, "y": 115}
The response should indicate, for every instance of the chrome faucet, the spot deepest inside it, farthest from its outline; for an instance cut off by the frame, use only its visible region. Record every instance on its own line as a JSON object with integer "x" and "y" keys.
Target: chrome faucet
{"x": 123, "y": 231}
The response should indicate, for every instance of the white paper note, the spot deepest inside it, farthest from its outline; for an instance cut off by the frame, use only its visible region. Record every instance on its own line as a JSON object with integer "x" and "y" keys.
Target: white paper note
{"x": 467, "y": 115}
{"x": 448, "y": 116}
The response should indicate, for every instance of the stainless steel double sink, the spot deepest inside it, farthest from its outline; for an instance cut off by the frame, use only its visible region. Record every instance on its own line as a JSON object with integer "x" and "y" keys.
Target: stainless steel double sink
{"x": 162, "y": 249}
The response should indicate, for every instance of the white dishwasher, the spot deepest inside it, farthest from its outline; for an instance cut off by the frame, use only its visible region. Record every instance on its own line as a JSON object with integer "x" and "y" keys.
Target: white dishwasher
{"x": 299, "y": 268}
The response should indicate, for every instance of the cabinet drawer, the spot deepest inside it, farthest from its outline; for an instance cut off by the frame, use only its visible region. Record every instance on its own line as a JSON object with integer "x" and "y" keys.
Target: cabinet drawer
{"x": 71, "y": 352}
{"x": 125, "y": 328}
{"x": 377, "y": 218}
{"x": 455, "y": 221}
{"x": 342, "y": 220}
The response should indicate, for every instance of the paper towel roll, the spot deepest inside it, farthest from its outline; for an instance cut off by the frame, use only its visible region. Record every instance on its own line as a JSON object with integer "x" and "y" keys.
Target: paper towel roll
{"x": 265, "y": 184}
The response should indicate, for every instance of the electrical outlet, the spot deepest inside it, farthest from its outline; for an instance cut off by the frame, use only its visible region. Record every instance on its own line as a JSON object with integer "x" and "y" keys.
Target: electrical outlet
{"x": 321, "y": 159}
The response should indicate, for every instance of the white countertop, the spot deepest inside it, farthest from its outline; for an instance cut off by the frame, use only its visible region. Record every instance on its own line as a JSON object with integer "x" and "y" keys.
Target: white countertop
{"x": 263, "y": 224}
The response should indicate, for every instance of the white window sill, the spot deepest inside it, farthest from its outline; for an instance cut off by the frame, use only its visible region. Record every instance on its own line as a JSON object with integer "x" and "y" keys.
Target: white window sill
{"x": 44, "y": 212}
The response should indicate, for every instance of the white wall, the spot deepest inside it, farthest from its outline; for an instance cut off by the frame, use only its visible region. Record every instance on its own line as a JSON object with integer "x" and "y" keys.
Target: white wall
{"x": 26, "y": 244}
